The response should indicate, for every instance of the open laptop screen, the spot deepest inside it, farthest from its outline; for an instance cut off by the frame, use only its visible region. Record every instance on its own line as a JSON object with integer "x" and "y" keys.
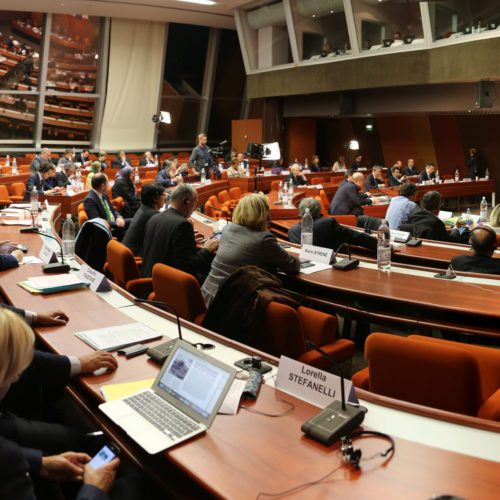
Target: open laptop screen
{"x": 195, "y": 382}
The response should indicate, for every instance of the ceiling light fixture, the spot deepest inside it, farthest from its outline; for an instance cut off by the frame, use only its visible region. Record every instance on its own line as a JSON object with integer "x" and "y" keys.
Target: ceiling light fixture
{"x": 201, "y": 2}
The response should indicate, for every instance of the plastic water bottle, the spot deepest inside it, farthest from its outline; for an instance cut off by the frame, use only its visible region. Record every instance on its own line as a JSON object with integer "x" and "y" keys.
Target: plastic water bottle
{"x": 14, "y": 166}
{"x": 483, "y": 214}
{"x": 280, "y": 191}
{"x": 34, "y": 201}
{"x": 306, "y": 229}
{"x": 306, "y": 165}
{"x": 468, "y": 218}
{"x": 436, "y": 179}
{"x": 156, "y": 160}
{"x": 290, "y": 190}
{"x": 457, "y": 175}
{"x": 68, "y": 237}
{"x": 487, "y": 175}
{"x": 7, "y": 161}
{"x": 137, "y": 178}
{"x": 384, "y": 248}
{"x": 203, "y": 177}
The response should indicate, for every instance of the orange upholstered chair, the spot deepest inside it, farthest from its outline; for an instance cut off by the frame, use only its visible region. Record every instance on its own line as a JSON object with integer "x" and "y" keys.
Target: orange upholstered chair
{"x": 325, "y": 204}
{"x": 181, "y": 290}
{"x": 16, "y": 190}
{"x": 447, "y": 375}
{"x": 317, "y": 180}
{"x": 235, "y": 194}
{"x": 123, "y": 267}
{"x": 376, "y": 210}
{"x": 82, "y": 217}
{"x": 216, "y": 213}
{"x": 224, "y": 198}
{"x": 81, "y": 207}
{"x": 150, "y": 176}
{"x": 285, "y": 330}
{"x": 4, "y": 195}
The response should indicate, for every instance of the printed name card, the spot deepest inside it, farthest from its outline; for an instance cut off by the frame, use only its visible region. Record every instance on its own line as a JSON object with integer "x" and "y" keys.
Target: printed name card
{"x": 316, "y": 254}
{"x": 400, "y": 236}
{"x": 98, "y": 282}
{"x": 311, "y": 384}
{"x": 47, "y": 255}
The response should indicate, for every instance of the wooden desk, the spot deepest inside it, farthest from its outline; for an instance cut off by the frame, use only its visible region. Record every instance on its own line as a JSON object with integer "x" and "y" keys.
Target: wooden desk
{"x": 243, "y": 455}
{"x": 69, "y": 203}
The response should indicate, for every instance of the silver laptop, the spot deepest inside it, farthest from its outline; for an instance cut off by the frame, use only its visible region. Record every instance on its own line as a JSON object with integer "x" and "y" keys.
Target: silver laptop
{"x": 182, "y": 402}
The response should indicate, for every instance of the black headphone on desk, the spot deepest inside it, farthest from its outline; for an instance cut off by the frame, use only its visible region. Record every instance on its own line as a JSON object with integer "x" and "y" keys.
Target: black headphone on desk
{"x": 352, "y": 456}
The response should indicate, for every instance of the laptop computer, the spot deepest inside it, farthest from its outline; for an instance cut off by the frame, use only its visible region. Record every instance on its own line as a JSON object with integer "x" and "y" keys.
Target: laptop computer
{"x": 182, "y": 403}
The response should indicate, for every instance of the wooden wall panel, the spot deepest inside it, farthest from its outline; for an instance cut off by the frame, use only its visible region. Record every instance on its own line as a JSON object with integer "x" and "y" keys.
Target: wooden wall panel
{"x": 300, "y": 139}
{"x": 245, "y": 131}
{"x": 397, "y": 138}
{"x": 448, "y": 144}
{"x": 424, "y": 143}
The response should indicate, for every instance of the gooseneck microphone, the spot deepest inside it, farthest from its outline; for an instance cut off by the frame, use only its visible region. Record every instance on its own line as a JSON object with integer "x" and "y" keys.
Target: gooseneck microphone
{"x": 55, "y": 267}
{"x": 344, "y": 264}
{"x": 161, "y": 352}
{"x": 33, "y": 228}
{"x": 337, "y": 419}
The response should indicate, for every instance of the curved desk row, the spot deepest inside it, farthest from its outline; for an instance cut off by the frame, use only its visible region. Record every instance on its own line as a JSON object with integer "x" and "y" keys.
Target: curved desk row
{"x": 249, "y": 453}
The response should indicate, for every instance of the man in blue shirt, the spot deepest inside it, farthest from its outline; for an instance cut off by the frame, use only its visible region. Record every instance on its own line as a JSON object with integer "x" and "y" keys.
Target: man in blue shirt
{"x": 402, "y": 206}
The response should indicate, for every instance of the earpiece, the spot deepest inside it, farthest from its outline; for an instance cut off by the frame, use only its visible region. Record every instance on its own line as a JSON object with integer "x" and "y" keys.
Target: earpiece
{"x": 186, "y": 201}
{"x": 352, "y": 456}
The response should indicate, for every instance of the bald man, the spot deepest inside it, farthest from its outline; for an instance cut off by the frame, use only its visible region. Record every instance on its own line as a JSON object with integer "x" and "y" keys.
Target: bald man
{"x": 347, "y": 199}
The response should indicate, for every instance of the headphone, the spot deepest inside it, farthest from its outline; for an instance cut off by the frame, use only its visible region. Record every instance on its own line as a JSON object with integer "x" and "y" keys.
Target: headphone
{"x": 186, "y": 201}
{"x": 352, "y": 456}
{"x": 486, "y": 228}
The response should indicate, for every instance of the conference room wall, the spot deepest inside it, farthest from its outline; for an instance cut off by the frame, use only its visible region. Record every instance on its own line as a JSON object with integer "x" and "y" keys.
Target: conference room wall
{"x": 134, "y": 79}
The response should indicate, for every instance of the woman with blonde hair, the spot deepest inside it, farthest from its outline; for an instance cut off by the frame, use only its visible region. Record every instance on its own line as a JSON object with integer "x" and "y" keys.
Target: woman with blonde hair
{"x": 495, "y": 219}
{"x": 247, "y": 242}
{"x": 95, "y": 168}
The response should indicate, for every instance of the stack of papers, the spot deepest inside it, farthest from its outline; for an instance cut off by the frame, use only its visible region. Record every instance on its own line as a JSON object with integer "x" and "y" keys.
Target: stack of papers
{"x": 115, "y": 337}
{"x": 53, "y": 284}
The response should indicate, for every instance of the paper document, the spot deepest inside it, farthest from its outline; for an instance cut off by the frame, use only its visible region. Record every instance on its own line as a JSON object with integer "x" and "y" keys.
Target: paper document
{"x": 114, "y": 337}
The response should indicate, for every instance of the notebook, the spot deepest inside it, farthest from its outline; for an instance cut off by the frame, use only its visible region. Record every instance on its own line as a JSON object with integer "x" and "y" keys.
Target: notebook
{"x": 182, "y": 403}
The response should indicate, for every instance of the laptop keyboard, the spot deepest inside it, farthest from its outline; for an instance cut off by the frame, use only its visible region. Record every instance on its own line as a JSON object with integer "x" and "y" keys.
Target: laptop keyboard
{"x": 163, "y": 416}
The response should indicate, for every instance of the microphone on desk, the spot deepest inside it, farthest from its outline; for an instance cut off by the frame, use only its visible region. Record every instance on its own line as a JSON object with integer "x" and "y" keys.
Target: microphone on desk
{"x": 55, "y": 267}
{"x": 32, "y": 229}
{"x": 160, "y": 352}
{"x": 344, "y": 264}
{"x": 337, "y": 419}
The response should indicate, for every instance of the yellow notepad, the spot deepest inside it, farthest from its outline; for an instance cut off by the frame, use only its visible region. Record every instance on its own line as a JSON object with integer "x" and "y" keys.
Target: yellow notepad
{"x": 117, "y": 391}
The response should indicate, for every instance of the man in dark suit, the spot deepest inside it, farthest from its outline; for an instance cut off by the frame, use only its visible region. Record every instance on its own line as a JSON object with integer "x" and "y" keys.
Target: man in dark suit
{"x": 327, "y": 232}
{"x": 347, "y": 200}
{"x": 483, "y": 241}
{"x": 296, "y": 176}
{"x": 148, "y": 160}
{"x": 38, "y": 180}
{"x": 374, "y": 180}
{"x": 474, "y": 164}
{"x": 97, "y": 204}
{"x": 357, "y": 163}
{"x": 153, "y": 197}
{"x": 425, "y": 223}
{"x": 64, "y": 177}
{"x": 37, "y": 161}
{"x": 410, "y": 168}
{"x": 428, "y": 173}
{"x": 83, "y": 158}
{"x": 170, "y": 238}
{"x": 396, "y": 179}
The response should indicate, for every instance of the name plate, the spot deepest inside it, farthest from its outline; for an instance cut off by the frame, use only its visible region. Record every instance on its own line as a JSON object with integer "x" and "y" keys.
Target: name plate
{"x": 311, "y": 384}
{"x": 448, "y": 181}
{"x": 98, "y": 282}
{"x": 466, "y": 179}
{"x": 400, "y": 236}
{"x": 47, "y": 255}
{"x": 316, "y": 254}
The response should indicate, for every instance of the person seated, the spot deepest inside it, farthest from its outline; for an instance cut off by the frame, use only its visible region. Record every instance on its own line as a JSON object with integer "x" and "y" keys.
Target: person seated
{"x": 121, "y": 160}
{"x": 327, "y": 232}
{"x": 235, "y": 170}
{"x": 124, "y": 187}
{"x": 340, "y": 164}
{"x": 97, "y": 204}
{"x": 168, "y": 175}
{"x": 396, "y": 178}
{"x": 65, "y": 177}
{"x": 276, "y": 166}
{"x": 37, "y": 161}
{"x": 95, "y": 168}
{"x": 170, "y": 238}
{"x": 51, "y": 181}
{"x": 153, "y": 197}
{"x": 247, "y": 242}
{"x": 315, "y": 165}
{"x": 483, "y": 241}
{"x": 427, "y": 174}
{"x": 347, "y": 200}
{"x": 357, "y": 163}
{"x": 410, "y": 168}
{"x": 148, "y": 160}
{"x": 402, "y": 206}
{"x": 375, "y": 180}
{"x": 38, "y": 180}
{"x": 296, "y": 176}
{"x": 67, "y": 158}
{"x": 102, "y": 159}
{"x": 232, "y": 154}
{"x": 18, "y": 465}
{"x": 425, "y": 223}
{"x": 242, "y": 161}
{"x": 83, "y": 158}
{"x": 495, "y": 219}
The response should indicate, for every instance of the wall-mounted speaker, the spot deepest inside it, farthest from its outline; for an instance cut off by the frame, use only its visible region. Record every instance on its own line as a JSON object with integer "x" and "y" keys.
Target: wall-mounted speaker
{"x": 484, "y": 94}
